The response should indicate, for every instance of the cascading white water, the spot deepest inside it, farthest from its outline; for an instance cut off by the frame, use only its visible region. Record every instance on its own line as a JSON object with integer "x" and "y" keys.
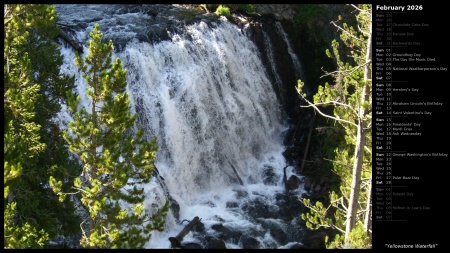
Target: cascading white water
{"x": 206, "y": 97}
{"x": 298, "y": 67}
{"x": 273, "y": 65}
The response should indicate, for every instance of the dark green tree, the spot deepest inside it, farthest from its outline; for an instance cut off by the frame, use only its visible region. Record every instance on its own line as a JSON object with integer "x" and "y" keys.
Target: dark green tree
{"x": 32, "y": 98}
{"x": 116, "y": 164}
{"x": 351, "y": 99}
{"x": 22, "y": 142}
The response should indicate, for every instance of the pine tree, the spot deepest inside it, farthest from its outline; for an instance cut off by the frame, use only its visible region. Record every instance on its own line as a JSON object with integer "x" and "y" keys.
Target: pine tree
{"x": 33, "y": 205}
{"x": 351, "y": 98}
{"x": 22, "y": 144}
{"x": 115, "y": 164}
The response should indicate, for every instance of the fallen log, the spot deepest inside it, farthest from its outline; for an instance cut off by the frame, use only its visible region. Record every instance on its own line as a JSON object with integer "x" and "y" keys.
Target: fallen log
{"x": 288, "y": 198}
{"x": 237, "y": 175}
{"x": 308, "y": 142}
{"x": 175, "y": 242}
{"x": 77, "y": 46}
{"x": 67, "y": 27}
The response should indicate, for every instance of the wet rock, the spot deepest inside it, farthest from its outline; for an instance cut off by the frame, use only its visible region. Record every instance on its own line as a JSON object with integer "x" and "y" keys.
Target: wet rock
{"x": 288, "y": 153}
{"x": 291, "y": 209}
{"x": 280, "y": 199}
{"x": 275, "y": 229}
{"x": 288, "y": 136}
{"x": 278, "y": 234}
{"x": 296, "y": 206}
{"x": 293, "y": 182}
{"x": 295, "y": 229}
{"x": 155, "y": 35}
{"x": 270, "y": 178}
{"x": 226, "y": 233}
{"x": 240, "y": 194}
{"x": 247, "y": 242}
{"x": 232, "y": 205}
{"x": 191, "y": 245}
{"x": 215, "y": 243}
{"x": 279, "y": 11}
{"x": 257, "y": 209}
{"x": 218, "y": 227}
{"x": 218, "y": 218}
{"x": 199, "y": 227}
{"x": 308, "y": 184}
{"x": 175, "y": 207}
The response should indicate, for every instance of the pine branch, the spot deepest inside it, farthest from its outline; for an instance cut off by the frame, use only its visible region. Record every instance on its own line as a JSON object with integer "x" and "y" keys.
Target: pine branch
{"x": 327, "y": 116}
{"x": 334, "y": 103}
{"x": 369, "y": 126}
{"x": 79, "y": 190}
{"x": 7, "y": 12}
{"x": 361, "y": 10}
{"x": 343, "y": 205}
{"x": 349, "y": 71}
{"x": 82, "y": 230}
{"x": 337, "y": 228}
{"x": 363, "y": 32}
{"x": 345, "y": 31}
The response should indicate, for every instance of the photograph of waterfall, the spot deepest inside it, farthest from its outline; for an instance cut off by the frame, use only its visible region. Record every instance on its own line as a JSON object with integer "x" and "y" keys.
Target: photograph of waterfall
{"x": 192, "y": 126}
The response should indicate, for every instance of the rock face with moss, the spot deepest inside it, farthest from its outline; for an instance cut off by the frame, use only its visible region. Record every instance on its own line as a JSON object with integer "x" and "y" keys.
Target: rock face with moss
{"x": 279, "y": 11}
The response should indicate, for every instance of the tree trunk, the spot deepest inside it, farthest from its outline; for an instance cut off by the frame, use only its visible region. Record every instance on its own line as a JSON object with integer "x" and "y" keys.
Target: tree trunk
{"x": 368, "y": 208}
{"x": 237, "y": 175}
{"x": 71, "y": 42}
{"x": 286, "y": 185}
{"x": 356, "y": 180}
{"x": 175, "y": 241}
{"x": 360, "y": 143}
{"x": 308, "y": 142}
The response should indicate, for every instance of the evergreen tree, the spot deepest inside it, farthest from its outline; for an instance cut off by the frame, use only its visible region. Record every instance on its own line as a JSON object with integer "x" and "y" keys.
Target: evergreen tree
{"x": 350, "y": 97}
{"x": 30, "y": 31}
{"x": 58, "y": 217}
{"x": 22, "y": 142}
{"x": 115, "y": 164}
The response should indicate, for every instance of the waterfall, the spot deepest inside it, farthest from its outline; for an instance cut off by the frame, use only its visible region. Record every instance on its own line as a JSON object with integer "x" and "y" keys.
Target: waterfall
{"x": 298, "y": 67}
{"x": 209, "y": 102}
{"x": 205, "y": 95}
{"x": 273, "y": 66}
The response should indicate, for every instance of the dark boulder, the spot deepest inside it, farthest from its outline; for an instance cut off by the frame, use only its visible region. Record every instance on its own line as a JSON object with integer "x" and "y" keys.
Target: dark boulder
{"x": 293, "y": 182}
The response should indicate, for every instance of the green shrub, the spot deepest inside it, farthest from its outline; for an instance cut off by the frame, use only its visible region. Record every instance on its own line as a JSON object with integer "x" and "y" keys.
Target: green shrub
{"x": 223, "y": 10}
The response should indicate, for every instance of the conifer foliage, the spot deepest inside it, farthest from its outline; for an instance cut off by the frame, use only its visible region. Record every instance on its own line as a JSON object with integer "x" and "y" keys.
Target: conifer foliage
{"x": 116, "y": 163}
{"x": 22, "y": 141}
{"x": 351, "y": 97}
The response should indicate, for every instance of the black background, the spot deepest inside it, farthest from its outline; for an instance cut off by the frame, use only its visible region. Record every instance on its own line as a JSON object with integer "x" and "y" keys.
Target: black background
{"x": 420, "y": 227}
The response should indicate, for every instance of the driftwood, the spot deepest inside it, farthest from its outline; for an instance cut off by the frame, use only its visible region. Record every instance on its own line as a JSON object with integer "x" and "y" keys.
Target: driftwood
{"x": 286, "y": 184}
{"x": 176, "y": 241}
{"x": 235, "y": 172}
{"x": 308, "y": 142}
{"x": 67, "y": 27}
{"x": 77, "y": 46}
